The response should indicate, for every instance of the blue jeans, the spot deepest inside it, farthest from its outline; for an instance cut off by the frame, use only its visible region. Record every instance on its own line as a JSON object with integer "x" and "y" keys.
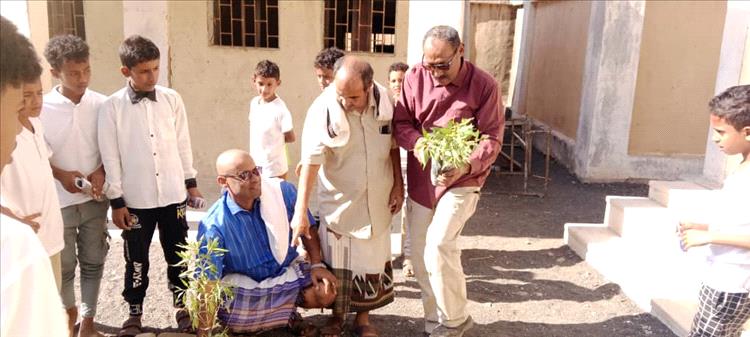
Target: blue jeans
{"x": 85, "y": 243}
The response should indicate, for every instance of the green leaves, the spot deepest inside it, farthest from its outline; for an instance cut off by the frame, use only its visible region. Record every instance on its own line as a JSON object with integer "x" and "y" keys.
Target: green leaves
{"x": 451, "y": 145}
{"x": 203, "y": 297}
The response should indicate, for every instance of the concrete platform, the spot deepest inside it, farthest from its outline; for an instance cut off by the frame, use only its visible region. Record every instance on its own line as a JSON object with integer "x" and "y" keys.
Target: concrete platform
{"x": 636, "y": 247}
{"x": 678, "y": 315}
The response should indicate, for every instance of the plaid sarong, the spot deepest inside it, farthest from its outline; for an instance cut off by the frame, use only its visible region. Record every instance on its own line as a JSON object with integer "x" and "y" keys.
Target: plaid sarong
{"x": 265, "y": 305}
{"x": 720, "y": 314}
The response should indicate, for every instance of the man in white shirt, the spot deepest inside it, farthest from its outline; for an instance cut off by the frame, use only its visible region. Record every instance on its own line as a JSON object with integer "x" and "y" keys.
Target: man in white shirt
{"x": 69, "y": 117}
{"x": 28, "y": 295}
{"x": 145, "y": 147}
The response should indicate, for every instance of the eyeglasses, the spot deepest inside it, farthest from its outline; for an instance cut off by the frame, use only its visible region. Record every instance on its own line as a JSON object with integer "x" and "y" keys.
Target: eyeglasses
{"x": 244, "y": 175}
{"x": 440, "y": 66}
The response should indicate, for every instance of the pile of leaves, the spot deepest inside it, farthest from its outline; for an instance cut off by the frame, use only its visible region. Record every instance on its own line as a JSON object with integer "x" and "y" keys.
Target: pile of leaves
{"x": 449, "y": 146}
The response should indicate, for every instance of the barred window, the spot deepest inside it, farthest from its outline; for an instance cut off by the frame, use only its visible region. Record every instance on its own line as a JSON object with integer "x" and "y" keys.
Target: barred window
{"x": 360, "y": 25}
{"x": 66, "y": 17}
{"x": 246, "y": 23}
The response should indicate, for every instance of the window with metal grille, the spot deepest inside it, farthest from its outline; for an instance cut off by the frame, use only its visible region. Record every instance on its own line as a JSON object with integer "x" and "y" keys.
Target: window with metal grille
{"x": 360, "y": 25}
{"x": 246, "y": 23}
{"x": 66, "y": 17}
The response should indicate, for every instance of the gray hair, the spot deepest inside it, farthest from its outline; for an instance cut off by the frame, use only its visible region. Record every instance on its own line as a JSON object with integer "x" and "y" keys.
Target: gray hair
{"x": 444, "y": 33}
{"x": 733, "y": 105}
{"x": 358, "y": 66}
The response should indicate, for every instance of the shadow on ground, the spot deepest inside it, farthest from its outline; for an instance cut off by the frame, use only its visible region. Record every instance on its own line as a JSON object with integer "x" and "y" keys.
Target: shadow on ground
{"x": 503, "y": 213}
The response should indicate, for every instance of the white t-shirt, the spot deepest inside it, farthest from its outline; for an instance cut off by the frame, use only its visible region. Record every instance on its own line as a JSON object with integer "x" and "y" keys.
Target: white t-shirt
{"x": 729, "y": 267}
{"x": 29, "y": 302}
{"x": 268, "y": 123}
{"x": 70, "y": 131}
{"x": 27, "y": 186}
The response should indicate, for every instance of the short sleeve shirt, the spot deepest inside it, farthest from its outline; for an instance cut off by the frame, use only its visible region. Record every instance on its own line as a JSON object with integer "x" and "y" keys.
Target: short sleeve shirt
{"x": 268, "y": 123}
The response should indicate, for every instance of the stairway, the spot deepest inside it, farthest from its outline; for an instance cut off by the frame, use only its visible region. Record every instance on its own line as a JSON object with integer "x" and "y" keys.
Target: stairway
{"x": 636, "y": 247}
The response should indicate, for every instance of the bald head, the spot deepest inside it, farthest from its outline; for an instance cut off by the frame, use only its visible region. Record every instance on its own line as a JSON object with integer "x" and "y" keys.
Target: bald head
{"x": 351, "y": 68}
{"x": 230, "y": 160}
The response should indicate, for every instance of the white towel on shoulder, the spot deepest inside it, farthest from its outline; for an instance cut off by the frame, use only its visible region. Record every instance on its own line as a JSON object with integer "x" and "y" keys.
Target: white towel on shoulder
{"x": 273, "y": 213}
{"x": 337, "y": 134}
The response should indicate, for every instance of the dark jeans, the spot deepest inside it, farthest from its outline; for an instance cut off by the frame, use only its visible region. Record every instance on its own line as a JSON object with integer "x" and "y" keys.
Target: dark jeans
{"x": 172, "y": 223}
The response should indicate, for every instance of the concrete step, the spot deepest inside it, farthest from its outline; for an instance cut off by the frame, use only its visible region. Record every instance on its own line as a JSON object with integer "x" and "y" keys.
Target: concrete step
{"x": 686, "y": 200}
{"x": 678, "y": 314}
{"x": 640, "y": 219}
{"x": 664, "y": 191}
{"x": 643, "y": 272}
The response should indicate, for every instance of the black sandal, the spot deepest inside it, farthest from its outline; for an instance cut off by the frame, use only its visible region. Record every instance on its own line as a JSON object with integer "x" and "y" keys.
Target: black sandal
{"x": 184, "y": 324}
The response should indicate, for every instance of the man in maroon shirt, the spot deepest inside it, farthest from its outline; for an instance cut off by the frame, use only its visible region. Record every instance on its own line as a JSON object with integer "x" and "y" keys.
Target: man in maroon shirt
{"x": 445, "y": 87}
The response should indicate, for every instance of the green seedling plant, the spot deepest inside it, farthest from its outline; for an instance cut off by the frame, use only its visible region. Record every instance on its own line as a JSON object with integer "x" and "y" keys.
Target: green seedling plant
{"x": 203, "y": 297}
{"x": 450, "y": 146}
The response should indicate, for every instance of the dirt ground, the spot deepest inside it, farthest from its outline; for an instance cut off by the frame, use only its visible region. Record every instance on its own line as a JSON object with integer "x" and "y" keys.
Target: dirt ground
{"x": 522, "y": 280}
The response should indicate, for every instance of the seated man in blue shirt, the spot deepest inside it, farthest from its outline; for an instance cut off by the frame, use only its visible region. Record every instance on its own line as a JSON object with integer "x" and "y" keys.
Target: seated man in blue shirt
{"x": 271, "y": 280}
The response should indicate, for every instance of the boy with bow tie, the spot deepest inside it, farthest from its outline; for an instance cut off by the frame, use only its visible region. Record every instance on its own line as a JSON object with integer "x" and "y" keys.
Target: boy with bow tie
{"x": 145, "y": 147}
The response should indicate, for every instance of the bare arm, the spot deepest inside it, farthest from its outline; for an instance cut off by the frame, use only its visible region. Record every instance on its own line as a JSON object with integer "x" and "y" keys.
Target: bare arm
{"x": 66, "y": 178}
{"x": 300, "y": 223}
{"x": 396, "y": 198}
{"x": 290, "y": 137}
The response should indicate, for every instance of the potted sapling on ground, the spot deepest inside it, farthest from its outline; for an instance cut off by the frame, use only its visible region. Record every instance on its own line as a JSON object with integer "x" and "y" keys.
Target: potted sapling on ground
{"x": 203, "y": 296}
{"x": 448, "y": 147}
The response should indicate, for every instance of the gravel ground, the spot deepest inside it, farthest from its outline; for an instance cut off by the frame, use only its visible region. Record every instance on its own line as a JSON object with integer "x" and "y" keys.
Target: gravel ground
{"x": 522, "y": 280}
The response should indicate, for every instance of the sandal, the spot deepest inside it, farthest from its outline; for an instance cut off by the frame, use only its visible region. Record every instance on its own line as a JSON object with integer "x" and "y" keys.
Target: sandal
{"x": 365, "y": 331}
{"x": 408, "y": 268}
{"x": 334, "y": 327}
{"x": 131, "y": 327}
{"x": 184, "y": 324}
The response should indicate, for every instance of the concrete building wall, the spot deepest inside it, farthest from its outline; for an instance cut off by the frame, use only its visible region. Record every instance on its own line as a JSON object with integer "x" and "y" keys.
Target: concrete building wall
{"x": 441, "y": 12}
{"x": 491, "y": 33}
{"x": 601, "y": 149}
{"x": 39, "y": 35}
{"x": 215, "y": 81}
{"x": 679, "y": 56}
{"x": 734, "y": 67}
{"x": 104, "y": 33}
{"x": 556, "y": 64}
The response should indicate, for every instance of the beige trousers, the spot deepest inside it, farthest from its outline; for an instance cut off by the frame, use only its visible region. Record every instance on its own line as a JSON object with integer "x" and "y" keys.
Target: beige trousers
{"x": 434, "y": 235}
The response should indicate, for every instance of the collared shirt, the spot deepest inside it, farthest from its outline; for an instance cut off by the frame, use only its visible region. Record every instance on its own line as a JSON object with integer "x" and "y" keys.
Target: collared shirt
{"x": 425, "y": 104}
{"x": 268, "y": 123}
{"x": 29, "y": 300}
{"x": 27, "y": 186}
{"x": 145, "y": 148}
{"x": 70, "y": 131}
{"x": 243, "y": 233}
{"x": 355, "y": 179}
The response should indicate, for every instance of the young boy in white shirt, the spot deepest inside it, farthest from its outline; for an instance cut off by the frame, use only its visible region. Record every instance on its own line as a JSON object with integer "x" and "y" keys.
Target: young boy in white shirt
{"x": 27, "y": 185}
{"x": 270, "y": 122}
{"x": 396, "y": 73}
{"x": 145, "y": 147}
{"x": 69, "y": 117}
{"x": 29, "y": 302}
{"x": 323, "y": 65}
{"x": 724, "y": 301}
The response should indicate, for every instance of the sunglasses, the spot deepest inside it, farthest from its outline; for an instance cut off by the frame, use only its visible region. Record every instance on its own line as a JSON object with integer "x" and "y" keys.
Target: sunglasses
{"x": 440, "y": 66}
{"x": 244, "y": 175}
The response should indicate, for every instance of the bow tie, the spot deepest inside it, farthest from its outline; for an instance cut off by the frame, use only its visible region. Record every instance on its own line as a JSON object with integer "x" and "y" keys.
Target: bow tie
{"x": 139, "y": 95}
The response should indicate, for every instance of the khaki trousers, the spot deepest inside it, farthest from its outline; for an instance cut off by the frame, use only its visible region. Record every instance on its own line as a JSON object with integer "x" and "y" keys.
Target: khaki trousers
{"x": 434, "y": 235}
